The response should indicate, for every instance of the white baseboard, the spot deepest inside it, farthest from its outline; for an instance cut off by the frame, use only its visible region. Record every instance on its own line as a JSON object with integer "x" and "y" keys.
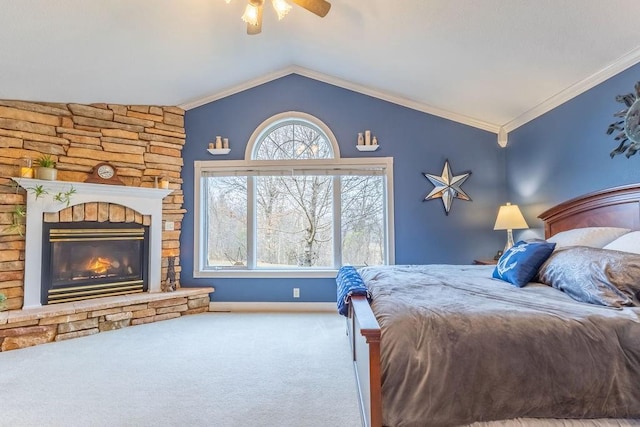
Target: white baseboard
{"x": 273, "y": 306}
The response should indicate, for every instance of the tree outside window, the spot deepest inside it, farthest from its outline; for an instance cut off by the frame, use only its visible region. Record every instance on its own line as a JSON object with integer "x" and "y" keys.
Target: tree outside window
{"x": 296, "y": 215}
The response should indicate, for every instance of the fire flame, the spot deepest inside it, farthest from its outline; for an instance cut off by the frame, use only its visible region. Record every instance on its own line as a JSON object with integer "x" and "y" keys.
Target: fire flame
{"x": 99, "y": 265}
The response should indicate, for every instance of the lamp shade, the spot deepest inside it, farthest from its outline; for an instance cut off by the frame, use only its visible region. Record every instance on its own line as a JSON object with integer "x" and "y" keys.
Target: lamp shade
{"x": 510, "y": 218}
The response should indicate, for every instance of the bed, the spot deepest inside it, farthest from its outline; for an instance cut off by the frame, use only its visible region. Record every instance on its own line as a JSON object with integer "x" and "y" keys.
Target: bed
{"x": 398, "y": 386}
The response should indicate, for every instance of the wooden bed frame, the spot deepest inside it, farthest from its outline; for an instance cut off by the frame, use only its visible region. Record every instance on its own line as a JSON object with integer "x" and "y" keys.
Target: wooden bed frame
{"x": 614, "y": 207}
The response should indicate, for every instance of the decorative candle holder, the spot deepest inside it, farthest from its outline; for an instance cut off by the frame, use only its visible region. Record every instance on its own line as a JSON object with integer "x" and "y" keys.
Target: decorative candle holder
{"x": 367, "y": 141}
{"x": 26, "y": 171}
{"x": 219, "y": 146}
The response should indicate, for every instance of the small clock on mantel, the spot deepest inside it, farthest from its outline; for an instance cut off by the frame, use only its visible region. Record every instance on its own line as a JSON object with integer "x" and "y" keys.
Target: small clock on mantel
{"x": 104, "y": 173}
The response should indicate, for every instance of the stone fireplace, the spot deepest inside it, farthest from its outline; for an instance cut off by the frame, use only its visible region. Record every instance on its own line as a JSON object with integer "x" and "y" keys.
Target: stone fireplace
{"x": 42, "y": 209}
{"x": 144, "y": 143}
{"x": 108, "y": 279}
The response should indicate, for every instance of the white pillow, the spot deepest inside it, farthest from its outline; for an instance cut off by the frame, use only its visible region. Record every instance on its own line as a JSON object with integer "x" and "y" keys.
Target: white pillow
{"x": 595, "y": 237}
{"x": 629, "y": 242}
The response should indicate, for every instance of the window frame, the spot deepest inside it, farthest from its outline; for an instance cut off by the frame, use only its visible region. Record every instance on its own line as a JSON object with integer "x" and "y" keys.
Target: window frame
{"x": 241, "y": 167}
{"x": 383, "y": 166}
{"x": 273, "y": 121}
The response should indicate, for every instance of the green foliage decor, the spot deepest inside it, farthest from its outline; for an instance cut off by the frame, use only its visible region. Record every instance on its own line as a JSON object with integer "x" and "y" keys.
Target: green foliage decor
{"x": 45, "y": 161}
{"x": 19, "y": 212}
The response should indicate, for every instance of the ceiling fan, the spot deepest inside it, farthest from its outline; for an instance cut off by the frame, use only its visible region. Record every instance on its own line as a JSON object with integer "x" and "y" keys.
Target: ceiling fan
{"x": 253, "y": 13}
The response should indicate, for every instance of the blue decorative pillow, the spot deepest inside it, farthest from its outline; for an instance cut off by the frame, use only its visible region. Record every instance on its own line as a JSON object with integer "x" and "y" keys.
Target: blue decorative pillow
{"x": 520, "y": 264}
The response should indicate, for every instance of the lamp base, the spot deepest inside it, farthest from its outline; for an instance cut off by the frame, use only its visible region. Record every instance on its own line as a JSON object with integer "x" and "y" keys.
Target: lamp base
{"x": 509, "y": 241}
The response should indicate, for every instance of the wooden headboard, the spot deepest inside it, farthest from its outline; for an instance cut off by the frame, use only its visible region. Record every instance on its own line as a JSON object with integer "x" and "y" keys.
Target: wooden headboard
{"x": 614, "y": 207}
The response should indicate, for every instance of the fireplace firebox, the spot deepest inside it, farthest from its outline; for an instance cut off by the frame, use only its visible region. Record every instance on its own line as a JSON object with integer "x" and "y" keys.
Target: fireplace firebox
{"x": 83, "y": 260}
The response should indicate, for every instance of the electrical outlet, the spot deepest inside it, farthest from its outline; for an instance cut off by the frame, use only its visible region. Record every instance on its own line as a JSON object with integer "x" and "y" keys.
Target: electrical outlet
{"x": 296, "y": 292}
{"x": 169, "y": 226}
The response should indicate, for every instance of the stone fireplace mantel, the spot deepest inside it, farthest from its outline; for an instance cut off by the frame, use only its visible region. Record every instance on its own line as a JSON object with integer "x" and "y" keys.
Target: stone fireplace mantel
{"x": 146, "y": 201}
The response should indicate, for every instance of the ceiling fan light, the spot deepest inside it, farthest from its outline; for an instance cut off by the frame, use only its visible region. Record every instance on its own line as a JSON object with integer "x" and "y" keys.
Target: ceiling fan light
{"x": 281, "y": 7}
{"x": 250, "y": 15}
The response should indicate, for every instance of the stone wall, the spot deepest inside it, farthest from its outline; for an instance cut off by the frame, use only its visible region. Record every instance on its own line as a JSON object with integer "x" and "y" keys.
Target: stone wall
{"x": 142, "y": 142}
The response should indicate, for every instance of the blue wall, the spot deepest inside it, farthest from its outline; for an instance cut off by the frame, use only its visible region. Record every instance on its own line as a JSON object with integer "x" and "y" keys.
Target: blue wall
{"x": 418, "y": 142}
{"x": 565, "y": 152}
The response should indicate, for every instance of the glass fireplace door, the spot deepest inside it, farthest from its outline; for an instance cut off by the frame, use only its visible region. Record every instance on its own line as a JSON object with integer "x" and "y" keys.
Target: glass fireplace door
{"x": 93, "y": 262}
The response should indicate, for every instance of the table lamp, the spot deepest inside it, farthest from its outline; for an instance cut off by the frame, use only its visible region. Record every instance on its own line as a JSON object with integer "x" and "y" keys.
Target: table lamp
{"x": 509, "y": 218}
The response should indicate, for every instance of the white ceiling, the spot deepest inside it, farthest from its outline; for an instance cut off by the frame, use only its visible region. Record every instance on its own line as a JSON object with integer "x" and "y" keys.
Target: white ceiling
{"x": 488, "y": 63}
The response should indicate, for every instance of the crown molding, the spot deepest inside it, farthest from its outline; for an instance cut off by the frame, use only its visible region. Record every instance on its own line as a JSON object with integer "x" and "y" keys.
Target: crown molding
{"x": 626, "y": 61}
{"x": 503, "y": 137}
{"x": 365, "y": 90}
{"x": 395, "y": 99}
{"x": 236, "y": 89}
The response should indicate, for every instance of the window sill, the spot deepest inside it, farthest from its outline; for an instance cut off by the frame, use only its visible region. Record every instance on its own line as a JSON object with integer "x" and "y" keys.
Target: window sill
{"x": 265, "y": 274}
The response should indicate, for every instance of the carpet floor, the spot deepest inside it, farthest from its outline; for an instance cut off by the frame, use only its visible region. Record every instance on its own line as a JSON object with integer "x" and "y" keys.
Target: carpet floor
{"x": 212, "y": 369}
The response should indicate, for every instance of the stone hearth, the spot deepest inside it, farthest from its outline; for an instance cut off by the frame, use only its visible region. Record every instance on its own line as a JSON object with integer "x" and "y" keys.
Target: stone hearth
{"x": 36, "y": 324}
{"x": 28, "y": 327}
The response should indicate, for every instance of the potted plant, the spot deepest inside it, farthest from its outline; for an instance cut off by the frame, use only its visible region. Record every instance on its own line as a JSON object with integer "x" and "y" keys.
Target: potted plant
{"x": 2, "y": 300}
{"x": 46, "y": 168}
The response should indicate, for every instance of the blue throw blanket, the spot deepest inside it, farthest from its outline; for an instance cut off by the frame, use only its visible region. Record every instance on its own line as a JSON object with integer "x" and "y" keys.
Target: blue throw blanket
{"x": 349, "y": 283}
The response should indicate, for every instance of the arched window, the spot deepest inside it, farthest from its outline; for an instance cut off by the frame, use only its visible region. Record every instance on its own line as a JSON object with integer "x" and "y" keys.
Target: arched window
{"x": 293, "y": 207}
{"x": 292, "y": 136}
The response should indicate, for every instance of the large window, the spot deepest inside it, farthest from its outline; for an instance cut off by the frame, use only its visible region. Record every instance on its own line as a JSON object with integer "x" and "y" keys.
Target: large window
{"x": 294, "y": 207}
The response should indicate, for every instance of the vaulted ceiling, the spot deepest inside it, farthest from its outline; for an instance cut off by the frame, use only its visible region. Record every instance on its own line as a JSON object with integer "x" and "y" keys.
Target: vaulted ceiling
{"x": 489, "y": 63}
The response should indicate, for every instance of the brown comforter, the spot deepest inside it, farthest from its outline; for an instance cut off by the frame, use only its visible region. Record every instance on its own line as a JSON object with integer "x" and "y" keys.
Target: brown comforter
{"x": 458, "y": 347}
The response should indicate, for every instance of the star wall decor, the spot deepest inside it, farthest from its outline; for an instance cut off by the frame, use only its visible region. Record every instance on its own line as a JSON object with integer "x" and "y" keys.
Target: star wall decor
{"x": 447, "y": 187}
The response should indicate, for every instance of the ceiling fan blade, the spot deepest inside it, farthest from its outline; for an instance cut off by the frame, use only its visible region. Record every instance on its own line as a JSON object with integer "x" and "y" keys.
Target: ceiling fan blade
{"x": 256, "y": 29}
{"x": 319, "y": 7}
